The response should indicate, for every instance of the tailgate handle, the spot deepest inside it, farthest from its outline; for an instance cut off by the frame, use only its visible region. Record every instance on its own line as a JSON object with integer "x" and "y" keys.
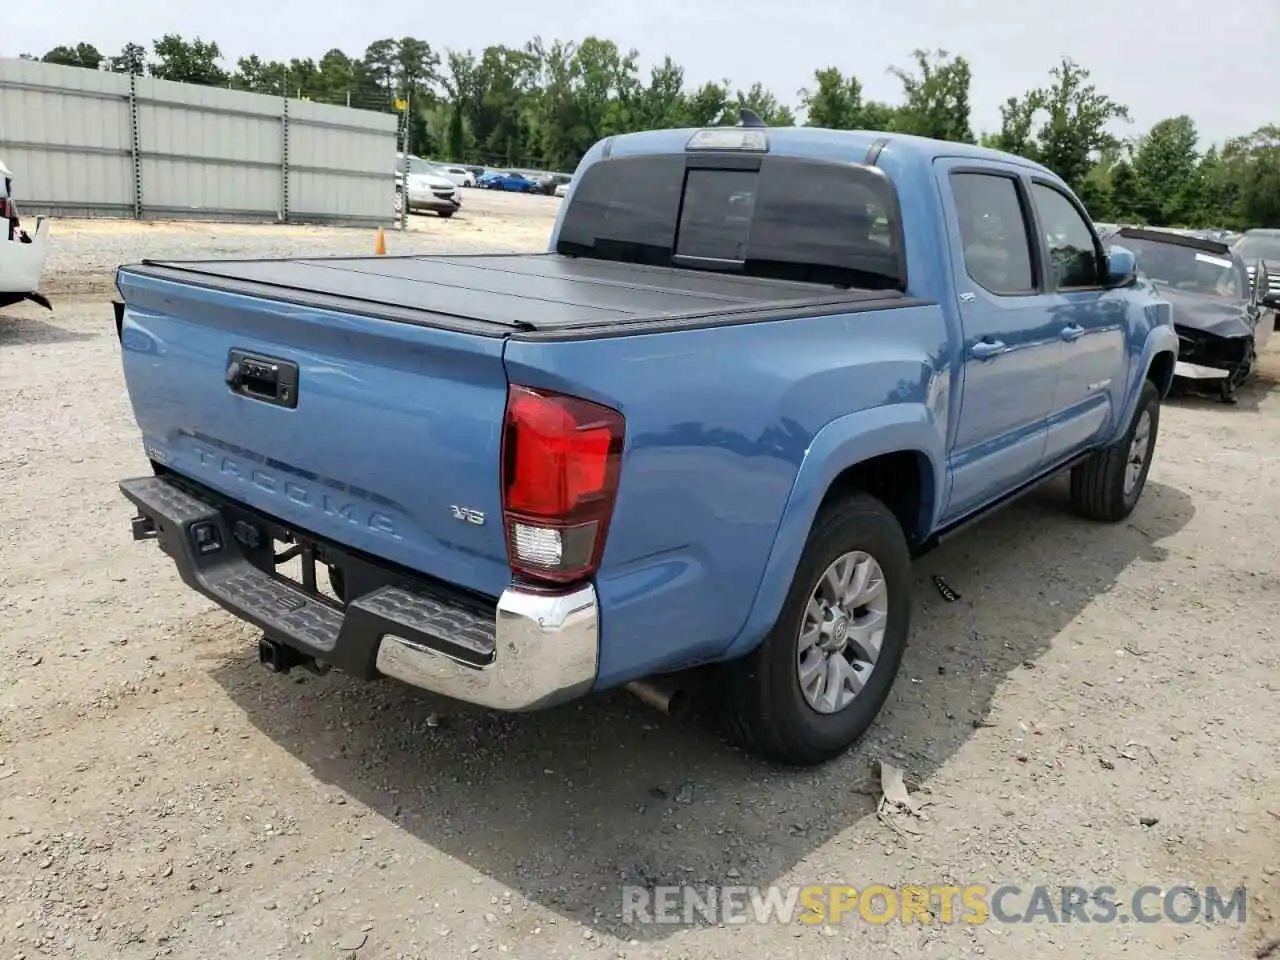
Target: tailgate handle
{"x": 268, "y": 379}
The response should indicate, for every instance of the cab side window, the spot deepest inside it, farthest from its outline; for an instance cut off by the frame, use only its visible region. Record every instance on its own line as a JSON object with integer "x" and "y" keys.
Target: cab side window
{"x": 1073, "y": 251}
{"x": 993, "y": 233}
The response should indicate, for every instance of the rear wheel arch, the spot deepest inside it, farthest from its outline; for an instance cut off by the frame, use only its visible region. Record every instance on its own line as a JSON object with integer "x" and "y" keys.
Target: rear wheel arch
{"x": 902, "y": 480}
{"x": 892, "y": 452}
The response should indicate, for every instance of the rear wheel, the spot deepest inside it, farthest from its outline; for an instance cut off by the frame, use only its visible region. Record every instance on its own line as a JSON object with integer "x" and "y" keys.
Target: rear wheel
{"x": 819, "y": 679}
{"x": 1108, "y": 484}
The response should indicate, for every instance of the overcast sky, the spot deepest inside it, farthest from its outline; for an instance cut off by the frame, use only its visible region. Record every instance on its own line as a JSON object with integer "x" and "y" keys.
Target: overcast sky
{"x": 1218, "y": 62}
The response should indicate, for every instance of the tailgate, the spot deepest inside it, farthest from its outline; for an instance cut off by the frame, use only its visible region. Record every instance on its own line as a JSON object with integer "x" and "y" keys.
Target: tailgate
{"x": 380, "y": 435}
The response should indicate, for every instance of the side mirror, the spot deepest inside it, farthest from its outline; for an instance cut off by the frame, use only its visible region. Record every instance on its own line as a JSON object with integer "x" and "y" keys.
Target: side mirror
{"x": 1122, "y": 267}
{"x": 1261, "y": 282}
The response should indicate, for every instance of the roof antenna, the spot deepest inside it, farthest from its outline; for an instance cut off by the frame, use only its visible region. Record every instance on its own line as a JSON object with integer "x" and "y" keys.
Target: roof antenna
{"x": 749, "y": 118}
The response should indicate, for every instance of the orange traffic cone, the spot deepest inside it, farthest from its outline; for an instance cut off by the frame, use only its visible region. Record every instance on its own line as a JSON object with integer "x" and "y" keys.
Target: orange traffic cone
{"x": 380, "y": 245}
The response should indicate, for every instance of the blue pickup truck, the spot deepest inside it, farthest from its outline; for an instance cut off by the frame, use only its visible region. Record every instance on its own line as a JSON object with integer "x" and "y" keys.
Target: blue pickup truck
{"x": 756, "y": 373}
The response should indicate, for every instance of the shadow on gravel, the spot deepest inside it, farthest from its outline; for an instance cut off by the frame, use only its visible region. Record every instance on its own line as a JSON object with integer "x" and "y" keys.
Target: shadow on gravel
{"x": 565, "y": 806}
{"x": 23, "y": 328}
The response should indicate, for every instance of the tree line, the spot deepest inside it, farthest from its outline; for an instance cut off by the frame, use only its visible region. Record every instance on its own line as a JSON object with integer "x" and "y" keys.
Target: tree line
{"x": 543, "y": 105}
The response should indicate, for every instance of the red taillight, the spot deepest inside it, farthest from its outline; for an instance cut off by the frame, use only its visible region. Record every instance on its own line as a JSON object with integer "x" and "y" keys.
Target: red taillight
{"x": 561, "y": 456}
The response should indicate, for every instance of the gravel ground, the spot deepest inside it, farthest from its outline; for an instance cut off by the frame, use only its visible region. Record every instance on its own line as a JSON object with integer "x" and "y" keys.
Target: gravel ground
{"x": 163, "y": 795}
{"x": 86, "y": 253}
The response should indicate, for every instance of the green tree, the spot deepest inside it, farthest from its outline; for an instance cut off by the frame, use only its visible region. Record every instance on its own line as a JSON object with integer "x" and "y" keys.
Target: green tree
{"x": 258, "y": 76}
{"x": 188, "y": 62}
{"x": 1017, "y": 117}
{"x": 1096, "y": 193}
{"x": 1254, "y": 161}
{"x": 1073, "y": 132}
{"x": 936, "y": 99}
{"x": 709, "y": 104}
{"x": 764, "y": 104}
{"x": 1127, "y": 198}
{"x": 879, "y": 116}
{"x": 834, "y": 101}
{"x": 81, "y": 55}
{"x": 336, "y": 79}
{"x": 1166, "y": 164}
{"x": 1076, "y": 126}
{"x": 662, "y": 103}
{"x": 132, "y": 59}
{"x": 459, "y": 81}
{"x": 1219, "y": 191}
{"x": 506, "y": 80}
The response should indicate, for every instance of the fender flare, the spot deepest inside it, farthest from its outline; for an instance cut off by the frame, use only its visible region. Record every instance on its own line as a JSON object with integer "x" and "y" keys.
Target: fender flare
{"x": 1161, "y": 339}
{"x": 842, "y": 443}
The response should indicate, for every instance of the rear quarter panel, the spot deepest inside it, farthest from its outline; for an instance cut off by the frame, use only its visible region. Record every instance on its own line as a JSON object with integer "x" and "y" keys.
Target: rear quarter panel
{"x": 719, "y": 423}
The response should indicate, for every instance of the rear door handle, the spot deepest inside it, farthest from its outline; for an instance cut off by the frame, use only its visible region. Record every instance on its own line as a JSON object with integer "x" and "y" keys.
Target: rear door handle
{"x": 986, "y": 349}
{"x": 1072, "y": 332}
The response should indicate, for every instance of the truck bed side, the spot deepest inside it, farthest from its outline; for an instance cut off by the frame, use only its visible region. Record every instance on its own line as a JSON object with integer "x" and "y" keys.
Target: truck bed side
{"x": 719, "y": 422}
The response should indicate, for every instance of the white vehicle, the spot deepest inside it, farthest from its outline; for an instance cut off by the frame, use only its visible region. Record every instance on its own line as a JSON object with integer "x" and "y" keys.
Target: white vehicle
{"x": 22, "y": 254}
{"x": 562, "y": 189}
{"x": 428, "y": 188}
{"x": 460, "y": 176}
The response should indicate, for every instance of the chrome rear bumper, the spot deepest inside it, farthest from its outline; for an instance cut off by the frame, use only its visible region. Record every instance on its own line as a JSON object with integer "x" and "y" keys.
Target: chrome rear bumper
{"x": 547, "y": 651}
{"x": 530, "y": 650}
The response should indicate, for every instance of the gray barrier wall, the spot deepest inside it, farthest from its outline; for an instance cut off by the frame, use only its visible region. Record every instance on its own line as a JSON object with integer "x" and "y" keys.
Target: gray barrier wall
{"x": 86, "y": 143}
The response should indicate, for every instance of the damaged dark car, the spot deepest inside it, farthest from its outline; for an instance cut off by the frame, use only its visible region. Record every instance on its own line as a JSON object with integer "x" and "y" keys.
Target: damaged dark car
{"x": 1216, "y": 312}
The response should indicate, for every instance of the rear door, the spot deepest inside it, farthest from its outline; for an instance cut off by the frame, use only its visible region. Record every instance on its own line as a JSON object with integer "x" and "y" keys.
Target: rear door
{"x": 1091, "y": 325}
{"x": 1011, "y": 341}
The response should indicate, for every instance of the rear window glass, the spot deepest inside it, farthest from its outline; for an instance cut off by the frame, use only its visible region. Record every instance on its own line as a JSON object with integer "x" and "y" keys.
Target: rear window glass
{"x": 715, "y": 220}
{"x": 795, "y": 219}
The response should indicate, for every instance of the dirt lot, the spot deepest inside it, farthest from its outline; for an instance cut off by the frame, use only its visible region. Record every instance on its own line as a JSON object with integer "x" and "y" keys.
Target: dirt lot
{"x": 163, "y": 795}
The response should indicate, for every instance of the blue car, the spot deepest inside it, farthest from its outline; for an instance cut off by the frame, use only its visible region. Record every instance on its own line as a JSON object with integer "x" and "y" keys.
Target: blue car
{"x": 511, "y": 181}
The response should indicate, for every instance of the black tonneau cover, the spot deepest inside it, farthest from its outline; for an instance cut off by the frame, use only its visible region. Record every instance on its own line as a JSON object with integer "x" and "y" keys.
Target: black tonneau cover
{"x": 504, "y": 294}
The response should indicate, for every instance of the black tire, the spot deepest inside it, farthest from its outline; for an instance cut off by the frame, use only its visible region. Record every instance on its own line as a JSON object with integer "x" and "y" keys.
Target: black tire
{"x": 761, "y": 704}
{"x": 1098, "y": 484}
{"x": 446, "y": 214}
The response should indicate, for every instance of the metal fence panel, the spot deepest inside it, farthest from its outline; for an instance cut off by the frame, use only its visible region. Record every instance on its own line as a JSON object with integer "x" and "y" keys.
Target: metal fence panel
{"x": 209, "y": 152}
{"x": 340, "y": 164}
{"x": 65, "y": 133}
{"x": 91, "y": 143}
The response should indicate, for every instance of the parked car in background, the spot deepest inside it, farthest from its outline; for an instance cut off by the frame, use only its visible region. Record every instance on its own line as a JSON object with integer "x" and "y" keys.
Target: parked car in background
{"x": 458, "y": 175}
{"x": 1257, "y": 245}
{"x": 429, "y": 189}
{"x": 548, "y": 182}
{"x": 700, "y": 430}
{"x": 1221, "y": 326}
{"x": 511, "y": 181}
{"x": 562, "y": 189}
